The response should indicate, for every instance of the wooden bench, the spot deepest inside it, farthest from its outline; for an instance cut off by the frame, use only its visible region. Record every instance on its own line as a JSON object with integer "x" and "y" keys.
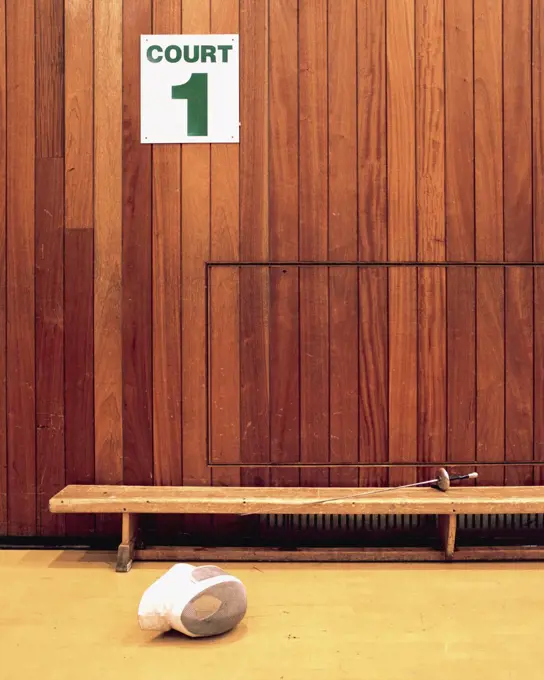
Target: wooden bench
{"x": 132, "y": 501}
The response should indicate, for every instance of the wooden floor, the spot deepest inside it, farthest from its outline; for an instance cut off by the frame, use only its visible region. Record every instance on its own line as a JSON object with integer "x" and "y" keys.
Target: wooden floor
{"x": 66, "y": 615}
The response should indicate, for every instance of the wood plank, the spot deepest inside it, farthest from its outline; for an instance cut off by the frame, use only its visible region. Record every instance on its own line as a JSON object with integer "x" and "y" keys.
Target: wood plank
{"x": 518, "y": 168}
{"x": 432, "y": 390}
{"x": 461, "y": 363}
{"x": 21, "y": 396}
{"x": 260, "y": 498}
{"x": 490, "y": 395}
{"x": 3, "y": 300}
{"x": 224, "y": 329}
{"x": 254, "y": 133}
{"x": 344, "y": 358}
{"x": 344, "y": 476}
{"x": 373, "y": 366}
{"x": 284, "y": 365}
{"x": 538, "y": 128}
{"x": 380, "y": 477}
{"x": 538, "y": 415}
{"x": 254, "y": 365}
{"x": 372, "y": 146}
{"x": 167, "y": 338}
{"x": 342, "y": 132}
{"x": 518, "y": 475}
{"x": 430, "y": 124}
{"x": 225, "y": 160}
{"x": 284, "y": 476}
{"x": 108, "y": 201}
{"x": 314, "y": 364}
{"x": 447, "y": 525}
{"x": 459, "y": 125}
{"x": 79, "y": 366}
{"x": 284, "y": 149}
{"x": 195, "y": 251}
{"x": 403, "y": 386}
{"x": 401, "y": 130}
{"x": 78, "y": 146}
{"x": 313, "y": 109}
{"x": 49, "y": 78}
{"x": 225, "y": 525}
{"x": 490, "y": 475}
{"x": 519, "y": 353}
{"x": 136, "y": 261}
{"x": 488, "y": 102}
{"x": 50, "y": 460}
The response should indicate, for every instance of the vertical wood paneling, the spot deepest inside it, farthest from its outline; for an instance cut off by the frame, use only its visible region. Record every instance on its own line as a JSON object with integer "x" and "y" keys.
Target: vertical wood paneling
{"x": 372, "y": 147}
{"x": 519, "y": 353}
{"x": 108, "y": 169}
{"x": 284, "y": 365}
{"x": 401, "y": 130}
{"x": 78, "y": 366}
{"x": 403, "y": 353}
{"x": 373, "y": 365}
{"x": 343, "y": 232}
{"x": 284, "y": 240}
{"x": 224, "y": 365}
{"x": 225, "y": 161}
{"x": 195, "y": 250}
{"x": 21, "y": 397}
{"x": 314, "y": 281}
{"x": 518, "y": 167}
{"x": 166, "y": 216}
{"x": 490, "y": 364}
{"x": 78, "y": 116}
{"x": 461, "y": 363}
{"x": 50, "y": 463}
{"x": 3, "y": 301}
{"x": 538, "y": 128}
{"x": 136, "y": 260}
{"x": 488, "y": 103}
{"x": 432, "y": 364}
{"x": 254, "y": 234}
{"x": 49, "y": 78}
{"x": 430, "y": 130}
{"x": 538, "y": 415}
{"x": 459, "y": 125}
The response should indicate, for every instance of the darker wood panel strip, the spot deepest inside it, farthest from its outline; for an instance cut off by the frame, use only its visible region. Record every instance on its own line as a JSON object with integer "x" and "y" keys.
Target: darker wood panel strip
{"x": 459, "y": 125}
{"x": 21, "y": 389}
{"x": 313, "y": 130}
{"x": 50, "y": 468}
{"x": 254, "y": 134}
{"x": 254, "y": 365}
{"x": 488, "y": 111}
{"x": 403, "y": 387}
{"x": 538, "y": 128}
{"x": 461, "y": 363}
{"x": 79, "y": 367}
{"x": 432, "y": 365}
{"x": 49, "y": 78}
{"x": 284, "y": 365}
{"x": 3, "y": 300}
{"x": 429, "y": 27}
{"x": 519, "y": 352}
{"x": 518, "y": 213}
{"x": 538, "y": 415}
{"x": 490, "y": 364}
{"x": 314, "y": 364}
{"x": 371, "y": 116}
{"x": 344, "y": 357}
{"x": 373, "y": 366}
{"x": 136, "y": 261}
{"x": 225, "y": 365}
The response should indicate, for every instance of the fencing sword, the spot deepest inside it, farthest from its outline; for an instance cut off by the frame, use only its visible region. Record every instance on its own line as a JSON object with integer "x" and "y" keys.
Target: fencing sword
{"x": 441, "y": 482}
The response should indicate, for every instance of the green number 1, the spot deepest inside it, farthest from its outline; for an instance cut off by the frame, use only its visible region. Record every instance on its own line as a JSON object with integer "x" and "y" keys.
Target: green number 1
{"x": 195, "y": 91}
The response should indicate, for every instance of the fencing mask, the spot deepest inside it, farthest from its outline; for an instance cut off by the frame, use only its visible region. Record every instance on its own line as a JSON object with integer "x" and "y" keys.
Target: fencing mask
{"x": 196, "y": 601}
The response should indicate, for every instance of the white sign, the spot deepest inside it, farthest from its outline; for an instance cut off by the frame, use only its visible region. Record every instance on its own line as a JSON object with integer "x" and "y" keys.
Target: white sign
{"x": 189, "y": 89}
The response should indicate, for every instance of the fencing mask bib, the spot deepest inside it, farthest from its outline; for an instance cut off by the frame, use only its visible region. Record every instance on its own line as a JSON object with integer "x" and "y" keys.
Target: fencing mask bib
{"x": 196, "y": 601}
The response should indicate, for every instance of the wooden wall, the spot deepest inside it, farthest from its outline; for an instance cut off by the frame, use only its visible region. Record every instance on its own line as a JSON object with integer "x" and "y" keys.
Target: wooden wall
{"x": 353, "y": 295}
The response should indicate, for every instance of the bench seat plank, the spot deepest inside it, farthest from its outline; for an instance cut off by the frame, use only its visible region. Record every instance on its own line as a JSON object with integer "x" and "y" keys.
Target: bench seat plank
{"x": 294, "y": 500}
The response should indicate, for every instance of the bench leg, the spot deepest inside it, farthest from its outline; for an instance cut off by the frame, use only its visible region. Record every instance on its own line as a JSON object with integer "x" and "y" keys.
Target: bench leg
{"x": 447, "y": 525}
{"x": 125, "y": 552}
